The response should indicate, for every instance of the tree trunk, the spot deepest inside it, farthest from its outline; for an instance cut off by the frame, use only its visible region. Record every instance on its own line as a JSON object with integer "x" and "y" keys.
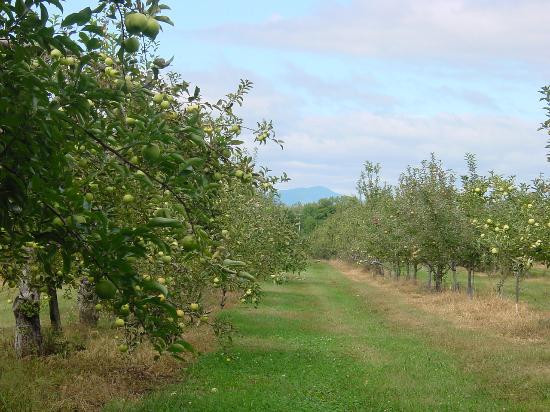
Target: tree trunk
{"x": 430, "y": 278}
{"x": 438, "y": 277}
{"x": 55, "y": 317}
{"x": 518, "y": 278}
{"x": 26, "y": 309}
{"x": 470, "y": 283}
{"x": 408, "y": 271}
{"x": 455, "y": 280}
{"x": 415, "y": 271}
{"x": 87, "y": 299}
{"x": 397, "y": 271}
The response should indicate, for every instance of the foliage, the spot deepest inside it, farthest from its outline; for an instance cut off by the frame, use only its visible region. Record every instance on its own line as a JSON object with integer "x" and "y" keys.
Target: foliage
{"x": 428, "y": 219}
{"x": 111, "y": 169}
{"x": 311, "y": 215}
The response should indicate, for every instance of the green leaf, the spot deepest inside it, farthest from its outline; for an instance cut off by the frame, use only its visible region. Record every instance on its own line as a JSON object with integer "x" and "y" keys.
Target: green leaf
{"x": 164, "y": 222}
{"x": 180, "y": 346}
{"x": 177, "y": 157}
{"x": 93, "y": 44}
{"x": 20, "y": 7}
{"x": 229, "y": 262}
{"x": 92, "y": 28}
{"x": 165, "y": 19}
{"x": 152, "y": 286}
{"x": 100, "y": 8}
{"x": 43, "y": 15}
{"x": 80, "y": 18}
{"x": 56, "y": 3}
{"x": 246, "y": 275}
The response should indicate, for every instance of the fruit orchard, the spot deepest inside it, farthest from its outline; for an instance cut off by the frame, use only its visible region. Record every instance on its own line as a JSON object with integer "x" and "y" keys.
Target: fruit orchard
{"x": 119, "y": 180}
{"x": 126, "y": 191}
{"x": 431, "y": 219}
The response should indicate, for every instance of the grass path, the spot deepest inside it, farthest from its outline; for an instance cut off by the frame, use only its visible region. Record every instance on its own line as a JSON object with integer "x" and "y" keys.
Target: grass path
{"x": 326, "y": 343}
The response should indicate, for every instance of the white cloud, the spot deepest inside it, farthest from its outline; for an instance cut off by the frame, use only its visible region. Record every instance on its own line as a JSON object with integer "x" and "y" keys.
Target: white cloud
{"x": 458, "y": 30}
{"x": 504, "y": 144}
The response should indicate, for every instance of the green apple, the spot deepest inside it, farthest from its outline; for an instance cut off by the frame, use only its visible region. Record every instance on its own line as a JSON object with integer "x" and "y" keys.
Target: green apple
{"x": 111, "y": 72}
{"x": 158, "y": 98}
{"x": 192, "y": 108}
{"x": 135, "y": 22}
{"x": 165, "y": 104}
{"x": 162, "y": 281}
{"x": 123, "y": 348}
{"x": 99, "y": 306}
{"x": 56, "y": 54}
{"x": 131, "y": 45}
{"x": 125, "y": 309}
{"x": 68, "y": 61}
{"x": 105, "y": 289}
{"x": 151, "y": 152}
{"x": 127, "y": 198}
{"x": 79, "y": 219}
{"x": 180, "y": 313}
{"x": 119, "y": 322}
{"x": 89, "y": 197}
{"x": 194, "y": 307}
{"x": 151, "y": 28}
{"x": 189, "y": 243}
{"x": 57, "y": 221}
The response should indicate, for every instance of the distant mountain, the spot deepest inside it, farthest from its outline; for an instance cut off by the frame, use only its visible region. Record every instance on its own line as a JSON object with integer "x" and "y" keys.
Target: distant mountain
{"x": 305, "y": 195}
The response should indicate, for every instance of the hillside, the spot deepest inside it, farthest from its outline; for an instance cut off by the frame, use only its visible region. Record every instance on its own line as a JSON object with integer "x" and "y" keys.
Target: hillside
{"x": 305, "y": 195}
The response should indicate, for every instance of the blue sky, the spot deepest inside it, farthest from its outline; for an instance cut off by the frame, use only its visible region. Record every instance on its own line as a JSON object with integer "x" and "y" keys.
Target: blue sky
{"x": 382, "y": 80}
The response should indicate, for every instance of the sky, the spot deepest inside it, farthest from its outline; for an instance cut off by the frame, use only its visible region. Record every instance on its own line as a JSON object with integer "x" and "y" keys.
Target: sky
{"x": 389, "y": 81}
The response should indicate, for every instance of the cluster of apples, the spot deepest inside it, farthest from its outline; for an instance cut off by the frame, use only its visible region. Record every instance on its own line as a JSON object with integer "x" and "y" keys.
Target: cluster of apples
{"x": 137, "y": 23}
{"x": 163, "y": 100}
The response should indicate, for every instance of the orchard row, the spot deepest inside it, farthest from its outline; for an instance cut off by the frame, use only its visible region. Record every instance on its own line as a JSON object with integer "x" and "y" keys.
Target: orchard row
{"x": 432, "y": 218}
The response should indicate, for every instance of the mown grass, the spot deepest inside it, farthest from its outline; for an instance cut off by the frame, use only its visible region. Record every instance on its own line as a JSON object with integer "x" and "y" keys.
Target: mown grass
{"x": 330, "y": 344}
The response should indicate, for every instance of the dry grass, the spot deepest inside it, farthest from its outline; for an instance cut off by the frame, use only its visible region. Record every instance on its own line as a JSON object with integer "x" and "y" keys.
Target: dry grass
{"x": 85, "y": 380}
{"x": 82, "y": 380}
{"x": 488, "y": 313}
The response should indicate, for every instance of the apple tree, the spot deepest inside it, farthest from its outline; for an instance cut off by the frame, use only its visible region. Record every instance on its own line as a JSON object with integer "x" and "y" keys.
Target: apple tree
{"x": 108, "y": 167}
